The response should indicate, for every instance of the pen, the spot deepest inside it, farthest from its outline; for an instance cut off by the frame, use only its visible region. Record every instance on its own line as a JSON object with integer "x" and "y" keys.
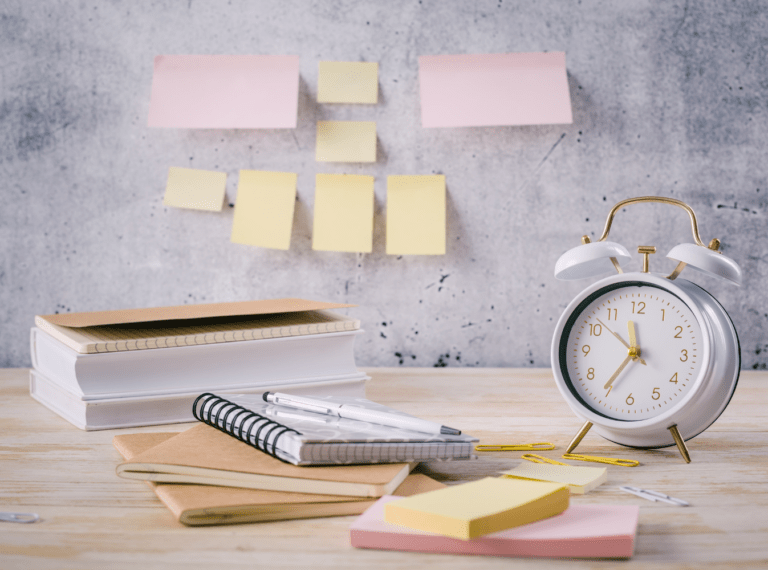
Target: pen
{"x": 357, "y": 413}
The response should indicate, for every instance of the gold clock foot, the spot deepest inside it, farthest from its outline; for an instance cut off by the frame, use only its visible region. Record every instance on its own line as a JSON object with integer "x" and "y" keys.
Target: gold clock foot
{"x": 680, "y": 443}
{"x": 579, "y": 436}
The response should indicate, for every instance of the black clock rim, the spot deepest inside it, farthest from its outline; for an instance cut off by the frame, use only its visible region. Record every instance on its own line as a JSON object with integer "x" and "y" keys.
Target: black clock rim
{"x": 562, "y": 349}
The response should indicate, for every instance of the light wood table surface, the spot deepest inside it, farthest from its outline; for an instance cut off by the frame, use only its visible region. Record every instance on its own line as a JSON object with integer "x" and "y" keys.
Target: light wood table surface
{"x": 90, "y": 518}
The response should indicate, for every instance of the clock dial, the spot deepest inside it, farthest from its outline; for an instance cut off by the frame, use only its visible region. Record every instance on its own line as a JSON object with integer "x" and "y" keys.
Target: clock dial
{"x": 632, "y": 352}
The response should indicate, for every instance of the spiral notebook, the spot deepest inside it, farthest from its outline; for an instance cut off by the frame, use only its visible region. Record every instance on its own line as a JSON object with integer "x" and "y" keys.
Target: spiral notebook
{"x": 306, "y": 438}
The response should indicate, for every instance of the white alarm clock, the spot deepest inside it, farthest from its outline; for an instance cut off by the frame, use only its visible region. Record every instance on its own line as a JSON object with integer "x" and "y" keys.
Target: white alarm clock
{"x": 649, "y": 360}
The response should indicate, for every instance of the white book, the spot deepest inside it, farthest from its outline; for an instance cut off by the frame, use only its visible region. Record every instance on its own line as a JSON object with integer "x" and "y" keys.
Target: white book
{"x": 307, "y": 438}
{"x": 133, "y": 411}
{"x": 225, "y": 366}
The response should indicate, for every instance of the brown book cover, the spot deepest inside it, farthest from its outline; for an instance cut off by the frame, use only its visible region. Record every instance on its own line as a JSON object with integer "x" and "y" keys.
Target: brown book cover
{"x": 185, "y": 325}
{"x": 204, "y": 455}
{"x": 208, "y": 505}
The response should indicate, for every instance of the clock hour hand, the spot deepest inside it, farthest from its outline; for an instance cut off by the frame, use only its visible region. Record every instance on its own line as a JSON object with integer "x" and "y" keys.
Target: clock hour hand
{"x": 634, "y": 350}
{"x": 621, "y": 340}
{"x": 623, "y": 365}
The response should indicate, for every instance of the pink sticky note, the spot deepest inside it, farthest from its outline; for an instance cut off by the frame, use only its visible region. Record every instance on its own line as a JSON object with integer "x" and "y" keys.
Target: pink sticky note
{"x": 225, "y": 92}
{"x": 494, "y": 89}
{"x": 581, "y": 531}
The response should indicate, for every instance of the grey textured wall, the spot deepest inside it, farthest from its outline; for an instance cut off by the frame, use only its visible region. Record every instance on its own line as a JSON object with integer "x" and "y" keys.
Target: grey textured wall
{"x": 669, "y": 98}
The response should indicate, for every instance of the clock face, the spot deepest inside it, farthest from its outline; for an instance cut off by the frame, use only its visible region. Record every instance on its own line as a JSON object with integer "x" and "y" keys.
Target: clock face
{"x": 629, "y": 379}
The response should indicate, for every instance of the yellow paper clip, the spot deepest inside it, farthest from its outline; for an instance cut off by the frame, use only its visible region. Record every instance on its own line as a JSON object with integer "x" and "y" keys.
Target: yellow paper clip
{"x": 543, "y": 446}
{"x": 539, "y": 459}
{"x": 608, "y": 460}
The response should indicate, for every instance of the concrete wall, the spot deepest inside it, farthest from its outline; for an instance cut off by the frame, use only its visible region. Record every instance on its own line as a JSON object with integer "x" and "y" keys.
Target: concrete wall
{"x": 669, "y": 98}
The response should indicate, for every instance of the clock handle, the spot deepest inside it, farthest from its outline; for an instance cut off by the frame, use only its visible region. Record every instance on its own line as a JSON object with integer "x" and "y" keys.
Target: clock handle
{"x": 658, "y": 200}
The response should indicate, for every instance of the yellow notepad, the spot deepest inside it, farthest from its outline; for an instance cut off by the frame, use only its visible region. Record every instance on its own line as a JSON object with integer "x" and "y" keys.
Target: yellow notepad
{"x": 195, "y": 189}
{"x": 348, "y": 82}
{"x": 343, "y": 213}
{"x": 346, "y": 141}
{"x": 580, "y": 480}
{"x": 481, "y": 507}
{"x": 416, "y": 215}
{"x": 264, "y": 209}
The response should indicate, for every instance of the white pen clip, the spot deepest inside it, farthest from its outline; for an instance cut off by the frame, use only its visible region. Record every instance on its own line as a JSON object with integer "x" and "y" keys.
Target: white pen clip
{"x": 654, "y": 496}
{"x": 19, "y": 517}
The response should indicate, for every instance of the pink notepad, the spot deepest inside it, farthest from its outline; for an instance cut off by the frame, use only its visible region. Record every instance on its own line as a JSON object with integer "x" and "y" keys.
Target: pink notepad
{"x": 494, "y": 89}
{"x": 225, "y": 92}
{"x": 582, "y": 531}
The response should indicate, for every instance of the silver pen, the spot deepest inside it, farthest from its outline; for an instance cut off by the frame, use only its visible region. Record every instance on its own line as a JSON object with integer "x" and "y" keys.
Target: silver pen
{"x": 357, "y": 413}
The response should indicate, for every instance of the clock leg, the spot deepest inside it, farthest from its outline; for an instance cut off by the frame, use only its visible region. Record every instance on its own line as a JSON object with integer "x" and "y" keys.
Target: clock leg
{"x": 579, "y": 436}
{"x": 680, "y": 443}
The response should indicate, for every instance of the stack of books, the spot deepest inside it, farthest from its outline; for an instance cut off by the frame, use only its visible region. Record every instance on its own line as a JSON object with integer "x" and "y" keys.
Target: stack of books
{"x": 138, "y": 367}
{"x": 246, "y": 461}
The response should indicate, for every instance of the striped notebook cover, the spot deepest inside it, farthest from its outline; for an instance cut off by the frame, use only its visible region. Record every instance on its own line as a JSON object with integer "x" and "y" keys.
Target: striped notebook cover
{"x": 165, "y": 334}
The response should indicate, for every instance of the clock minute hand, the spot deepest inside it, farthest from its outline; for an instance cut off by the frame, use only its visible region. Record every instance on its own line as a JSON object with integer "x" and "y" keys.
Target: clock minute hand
{"x": 623, "y": 365}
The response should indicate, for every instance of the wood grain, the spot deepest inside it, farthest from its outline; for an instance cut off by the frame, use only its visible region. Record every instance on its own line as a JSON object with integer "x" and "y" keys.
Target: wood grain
{"x": 93, "y": 519}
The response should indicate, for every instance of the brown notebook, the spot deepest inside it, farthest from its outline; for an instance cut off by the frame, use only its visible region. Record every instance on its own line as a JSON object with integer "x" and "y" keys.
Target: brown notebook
{"x": 196, "y": 505}
{"x": 204, "y": 455}
{"x": 188, "y": 325}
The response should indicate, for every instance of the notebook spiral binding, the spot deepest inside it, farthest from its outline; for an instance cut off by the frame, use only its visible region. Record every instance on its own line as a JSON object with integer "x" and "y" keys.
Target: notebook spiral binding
{"x": 210, "y": 410}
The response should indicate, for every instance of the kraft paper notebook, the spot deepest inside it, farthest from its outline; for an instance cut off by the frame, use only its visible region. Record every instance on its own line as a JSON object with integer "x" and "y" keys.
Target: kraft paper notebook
{"x": 196, "y": 505}
{"x": 580, "y": 480}
{"x": 185, "y": 325}
{"x": 204, "y": 455}
{"x": 581, "y": 531}
{"x": 478, "y": 508}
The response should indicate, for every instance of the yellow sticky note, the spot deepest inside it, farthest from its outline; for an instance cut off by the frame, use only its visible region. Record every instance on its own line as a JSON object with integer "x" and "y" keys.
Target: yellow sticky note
{"x": 481, "y": 507}
{"x": 348, "y": 82}
{"x": 195, "y": 189}
{"x": 416, "y": 215}
{"x": 343, "y": 213}
{"x": 264, "y": 209}
{"x": 346, "y": 141}
{"x": 580, "y": 480}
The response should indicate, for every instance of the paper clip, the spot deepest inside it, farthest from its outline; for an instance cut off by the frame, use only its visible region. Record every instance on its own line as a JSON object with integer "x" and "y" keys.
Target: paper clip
{"x": 608, "y": 460}
{"x": 543, "y": 446}
{"x": 539, "y": 459}
{"x": 654, "y": 496}
{"x": 19, "y": 517}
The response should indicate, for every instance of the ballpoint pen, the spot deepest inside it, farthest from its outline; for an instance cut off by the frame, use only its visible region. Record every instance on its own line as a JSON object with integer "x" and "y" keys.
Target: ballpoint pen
{"x": 357, "y": 413}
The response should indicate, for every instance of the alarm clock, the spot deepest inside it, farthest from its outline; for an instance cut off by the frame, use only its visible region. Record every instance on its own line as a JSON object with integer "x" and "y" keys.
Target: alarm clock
{"x": 646, "y": 360}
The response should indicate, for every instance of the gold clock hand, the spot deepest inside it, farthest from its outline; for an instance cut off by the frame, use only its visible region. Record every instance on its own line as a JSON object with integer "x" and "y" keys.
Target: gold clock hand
{"x": 621, "y": 340}
{"x": 633, "y": 343}
{"x": 627, "y": 360}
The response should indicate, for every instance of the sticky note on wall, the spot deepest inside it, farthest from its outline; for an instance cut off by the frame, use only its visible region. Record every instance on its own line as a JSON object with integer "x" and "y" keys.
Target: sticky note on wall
{"x": 416, "y": 215}
{"x": 264, "y": 209}
{"x": 343, "y": 213}
{"x": 225, "y": 92}
{"x": 195, "y": 189}
{"x": 346, "y": 141}
{"x": 494, "y": 89}
{"x": 348, "y": 82}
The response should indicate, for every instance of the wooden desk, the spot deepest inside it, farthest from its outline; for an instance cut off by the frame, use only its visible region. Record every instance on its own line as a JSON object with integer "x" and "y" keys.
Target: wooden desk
{"x": 93, "y": 519}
